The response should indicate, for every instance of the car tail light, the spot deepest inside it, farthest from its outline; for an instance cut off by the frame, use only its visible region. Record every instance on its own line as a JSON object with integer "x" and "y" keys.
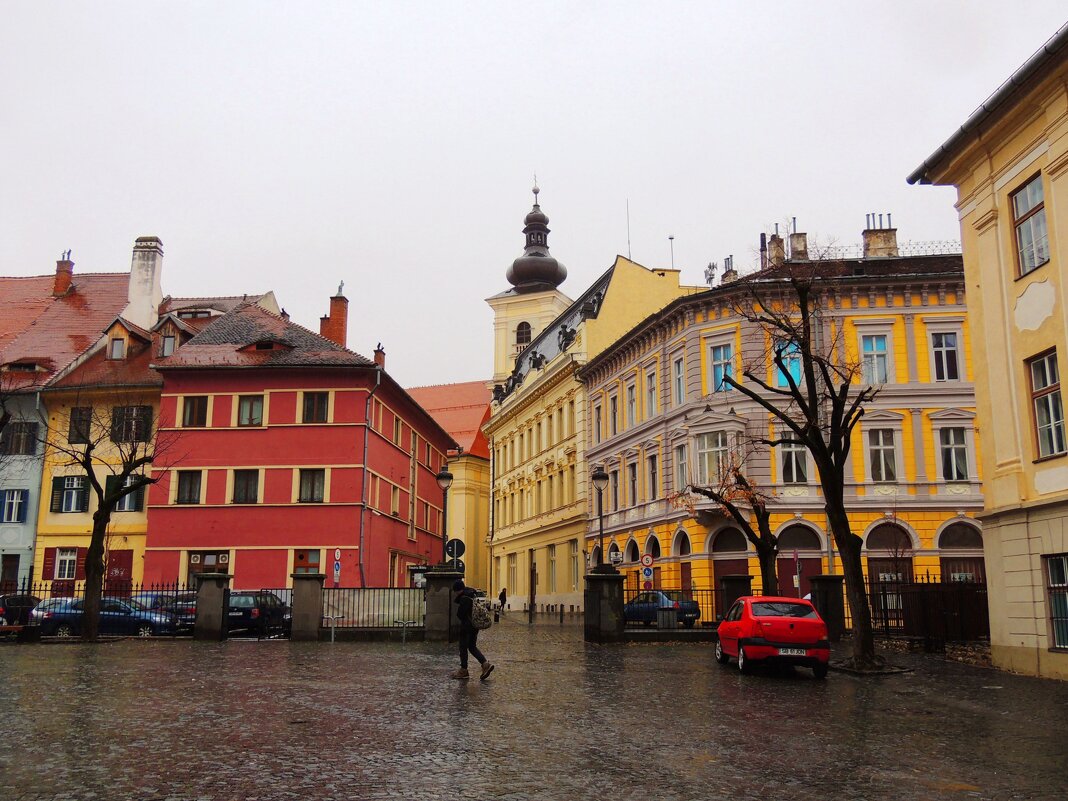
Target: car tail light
{"x": 2, "y": 610}
{"x": 676, "y": 604}
{"x": 49, "y": 614}
{"x": 255, "y": 613}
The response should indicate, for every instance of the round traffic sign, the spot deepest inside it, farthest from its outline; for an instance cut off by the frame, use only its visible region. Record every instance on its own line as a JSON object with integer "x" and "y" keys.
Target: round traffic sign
{"x": 459, "y": 566}
{"x": 648, "y": 585}
{"x": 455, "y": 548}
{"x": 647, "y": 572}
{"x": 337, "y": 554}
{"x": 647, "y": 560}
{"x": 337, "y": 566}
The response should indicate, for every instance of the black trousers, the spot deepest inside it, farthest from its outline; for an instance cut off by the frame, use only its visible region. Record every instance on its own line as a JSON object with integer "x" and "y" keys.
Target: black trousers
{"x": 469, "y": 644}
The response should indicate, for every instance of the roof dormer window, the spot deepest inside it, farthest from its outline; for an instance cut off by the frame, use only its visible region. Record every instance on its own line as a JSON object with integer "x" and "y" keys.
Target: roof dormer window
{"x": 117, "y": 348}
{"x": 166, "y": 347}
{"x": 264, "y": 346}
{"x": 22, "y": 367}
{"x": 193, "y": 314}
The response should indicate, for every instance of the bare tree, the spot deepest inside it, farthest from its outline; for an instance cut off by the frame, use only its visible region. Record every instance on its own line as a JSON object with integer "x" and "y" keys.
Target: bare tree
{"x": 113, "y": 443}
{"x": 817, "y": 400}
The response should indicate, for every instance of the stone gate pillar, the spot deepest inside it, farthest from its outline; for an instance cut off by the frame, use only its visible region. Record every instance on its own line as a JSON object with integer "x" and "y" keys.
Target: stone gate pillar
{"x": 829, "y": 600}
{"x": 307, "y": 605}
{"x": 603, "y": 607}
{"x": 212, "y": 595}
{"x": 734, "y": 587}
{"x": 441, "y": 622}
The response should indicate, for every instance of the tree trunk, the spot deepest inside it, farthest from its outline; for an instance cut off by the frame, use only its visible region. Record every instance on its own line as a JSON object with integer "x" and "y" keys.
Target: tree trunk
{"x": 94, "y": 575}
{"x": 769, "y": 580}
{"x": 849, "y": 546}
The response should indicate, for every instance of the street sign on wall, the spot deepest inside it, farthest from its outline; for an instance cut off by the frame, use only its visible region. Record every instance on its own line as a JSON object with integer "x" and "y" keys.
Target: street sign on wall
{"x": 647, "y": 560}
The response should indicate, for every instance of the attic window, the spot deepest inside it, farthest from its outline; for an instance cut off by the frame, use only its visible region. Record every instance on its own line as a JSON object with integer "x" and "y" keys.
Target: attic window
{"x": 264, "y": 346}
{"x": 23, "y": 367}
{"x": 167, "y": 345}
{"x": 116, "y": 349}
{"x": 193, "y": 314}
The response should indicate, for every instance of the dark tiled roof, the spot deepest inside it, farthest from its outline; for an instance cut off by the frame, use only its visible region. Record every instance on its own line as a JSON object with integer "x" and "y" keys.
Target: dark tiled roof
{"x": 221, "y": 303}
{"x": 460, "y": 409}
{"x": 230, "y": 342}
{"x": 35, "y": 326}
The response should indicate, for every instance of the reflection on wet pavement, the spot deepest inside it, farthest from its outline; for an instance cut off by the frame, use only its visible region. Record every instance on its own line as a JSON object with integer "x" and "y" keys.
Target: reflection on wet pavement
{"x": 558, "y": 720}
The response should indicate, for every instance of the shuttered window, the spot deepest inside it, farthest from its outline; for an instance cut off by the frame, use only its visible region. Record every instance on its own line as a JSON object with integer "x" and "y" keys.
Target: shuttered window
{"x": 69, "y": 494}
{"x": 132, "y": 502}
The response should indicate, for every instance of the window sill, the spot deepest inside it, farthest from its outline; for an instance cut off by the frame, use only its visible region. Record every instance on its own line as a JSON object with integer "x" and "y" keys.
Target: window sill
{"x": 1032, "y": 271}
{"x": 1049, "y": 458}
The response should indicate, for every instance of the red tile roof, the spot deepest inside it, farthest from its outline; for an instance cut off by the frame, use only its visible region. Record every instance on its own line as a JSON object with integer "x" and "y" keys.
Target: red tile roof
{"x": 230, "y": 339}
{"x": 460, "y": 409}
{"x": 100, "y": 371}
{"x": 35, "y": 326}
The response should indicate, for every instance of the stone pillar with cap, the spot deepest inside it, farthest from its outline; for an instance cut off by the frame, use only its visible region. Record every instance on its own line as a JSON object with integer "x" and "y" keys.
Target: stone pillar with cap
{"x": 213, "y": 590}
{"x": 603, "y": 607}
{"x": 829, "y": 599}
{"x": 307, "y": 605}
{"x": 441, "y": 621}
{"x": 734, "y": 587}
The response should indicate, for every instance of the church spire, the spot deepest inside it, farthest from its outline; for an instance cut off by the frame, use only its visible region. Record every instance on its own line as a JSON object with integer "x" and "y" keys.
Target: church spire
{"x": 536, "y": 270}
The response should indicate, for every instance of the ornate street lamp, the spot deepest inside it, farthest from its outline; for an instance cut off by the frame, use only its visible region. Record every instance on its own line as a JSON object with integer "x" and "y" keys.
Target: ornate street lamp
{"x": 444, "y": 479}
{"x": 600, "y": 481}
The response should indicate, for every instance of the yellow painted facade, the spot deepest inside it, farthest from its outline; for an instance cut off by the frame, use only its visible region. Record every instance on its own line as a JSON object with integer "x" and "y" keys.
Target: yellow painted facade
{"x": 661, "y": 414}
{"x": 468, "y": 514}
{"x": 1009, "y": 165}
{"x": 538, "y": 431}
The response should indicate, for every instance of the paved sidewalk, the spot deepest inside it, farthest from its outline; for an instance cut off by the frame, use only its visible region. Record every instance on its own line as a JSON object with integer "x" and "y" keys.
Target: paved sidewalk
{"x": 557, "y": 720}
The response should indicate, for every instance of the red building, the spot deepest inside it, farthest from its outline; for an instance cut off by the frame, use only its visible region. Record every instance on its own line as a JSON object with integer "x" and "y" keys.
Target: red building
{"x": 290, "y": 449}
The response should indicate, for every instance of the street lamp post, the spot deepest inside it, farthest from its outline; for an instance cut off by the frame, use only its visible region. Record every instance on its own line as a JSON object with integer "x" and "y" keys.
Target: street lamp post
{"x": 444, "y": 479}
{"x": 600, "y": 481}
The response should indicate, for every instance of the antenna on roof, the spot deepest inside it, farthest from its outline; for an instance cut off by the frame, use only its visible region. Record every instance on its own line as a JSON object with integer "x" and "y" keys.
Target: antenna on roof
{"x": 671, "y": 243}
{"x": 628, "y": 227}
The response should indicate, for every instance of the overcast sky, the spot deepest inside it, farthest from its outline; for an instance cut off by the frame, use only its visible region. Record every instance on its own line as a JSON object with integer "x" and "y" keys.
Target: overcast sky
{"x": 289, "y": 146}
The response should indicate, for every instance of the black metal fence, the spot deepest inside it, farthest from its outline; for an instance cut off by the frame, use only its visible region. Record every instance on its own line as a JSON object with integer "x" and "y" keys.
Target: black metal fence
{"x": 941, "y": 611}
{"x": 657, "y": 606}
{"x": 374, "y": 607}
{"x": 125, "y": 590}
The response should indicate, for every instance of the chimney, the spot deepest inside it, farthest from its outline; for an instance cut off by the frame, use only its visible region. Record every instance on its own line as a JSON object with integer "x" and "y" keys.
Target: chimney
{"x": 64, "y": 276}
{"x": 776, "y": 251}
{"x": 335, "y": 326}
{"x": 729, "y": 273}
{"x": 798, "y": 247}
{"x": 145, "y": 295}
{"x": 380, "y": 356}
{"x": 763, "y": 251}
{"x": 879, "y": 241}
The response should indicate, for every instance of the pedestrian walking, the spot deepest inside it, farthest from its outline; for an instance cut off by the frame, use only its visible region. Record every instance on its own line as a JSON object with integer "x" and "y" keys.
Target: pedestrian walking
{"x": 503, "y": 597}
{"x": 465, "y": 599}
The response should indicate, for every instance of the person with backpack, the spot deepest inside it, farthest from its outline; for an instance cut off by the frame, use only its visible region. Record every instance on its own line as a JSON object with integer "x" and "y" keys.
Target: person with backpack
{"x": 471, "y": 619}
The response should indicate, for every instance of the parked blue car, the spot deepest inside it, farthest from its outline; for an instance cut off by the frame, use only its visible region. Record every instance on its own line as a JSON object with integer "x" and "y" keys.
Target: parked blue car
{"x": 644, "y": 608}
{"x": 64, "y": 618}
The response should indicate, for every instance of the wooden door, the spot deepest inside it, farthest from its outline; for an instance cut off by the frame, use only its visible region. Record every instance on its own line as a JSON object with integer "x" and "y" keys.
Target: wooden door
{"x": 9, "y": 572}
{"x": 119, "y": 574}
{"x": 788, "y": 567}
{"x": 686, "y": 570}
{"x": 726, "y": 567}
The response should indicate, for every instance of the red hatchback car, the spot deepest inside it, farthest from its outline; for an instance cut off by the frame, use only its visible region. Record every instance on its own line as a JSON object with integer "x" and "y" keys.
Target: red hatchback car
{"x": 767, "y": 629}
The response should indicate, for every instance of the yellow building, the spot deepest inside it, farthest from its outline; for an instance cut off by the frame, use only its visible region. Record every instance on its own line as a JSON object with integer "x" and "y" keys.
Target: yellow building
{"x": 1009, "y": 163}
{"x": 663, "y": 419}
{"x": 537, "y": 429}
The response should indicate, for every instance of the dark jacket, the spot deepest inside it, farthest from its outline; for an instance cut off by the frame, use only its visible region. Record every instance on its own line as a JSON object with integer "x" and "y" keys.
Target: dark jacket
{"x": 463, "y": 606}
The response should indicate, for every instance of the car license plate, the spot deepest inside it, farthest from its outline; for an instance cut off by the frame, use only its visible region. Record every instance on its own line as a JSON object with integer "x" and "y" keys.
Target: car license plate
{"x": 792, "y": 652}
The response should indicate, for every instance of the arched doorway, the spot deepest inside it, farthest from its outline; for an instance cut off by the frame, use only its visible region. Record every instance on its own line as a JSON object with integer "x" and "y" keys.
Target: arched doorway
{"x": 652, "y": 547}
{"x": 730, "y": 557}
{"x": 800, "y": 558}
{"x": 889, "y": 549}
{"x": 961, "y": 553}
{"x": 680, "y": 548}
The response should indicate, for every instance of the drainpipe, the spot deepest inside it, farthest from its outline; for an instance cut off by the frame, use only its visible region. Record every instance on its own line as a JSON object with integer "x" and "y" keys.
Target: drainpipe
{"x": 492, "y": 516}
{"x": 366, "y": 482}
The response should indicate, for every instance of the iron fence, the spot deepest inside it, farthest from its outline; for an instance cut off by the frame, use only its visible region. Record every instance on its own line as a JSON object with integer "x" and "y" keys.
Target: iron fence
{"x": 941, "y": 611}
{"x": 125, "y": 590}
{"x": 374, "y": 607}
{"x": 642, "y": 607}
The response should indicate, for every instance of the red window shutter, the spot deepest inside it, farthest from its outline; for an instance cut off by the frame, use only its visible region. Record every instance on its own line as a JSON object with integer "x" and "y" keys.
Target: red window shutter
{"x": 79, "y": 570}
{"x": 48, "y": 564}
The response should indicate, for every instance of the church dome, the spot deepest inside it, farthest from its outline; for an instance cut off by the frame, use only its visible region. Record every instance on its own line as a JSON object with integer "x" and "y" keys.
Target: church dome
{"x": 536, "y": 270}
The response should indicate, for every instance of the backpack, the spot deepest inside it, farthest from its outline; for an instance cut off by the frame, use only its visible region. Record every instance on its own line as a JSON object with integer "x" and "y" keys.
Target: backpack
{"x": 481, "y": 614}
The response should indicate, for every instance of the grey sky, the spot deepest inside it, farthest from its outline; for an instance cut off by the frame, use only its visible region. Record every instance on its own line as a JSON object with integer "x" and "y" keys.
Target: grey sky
{"x": 288, "y": 146}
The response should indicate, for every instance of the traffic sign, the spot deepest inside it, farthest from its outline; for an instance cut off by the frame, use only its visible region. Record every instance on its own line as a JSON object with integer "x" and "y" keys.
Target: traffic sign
{"x": 647, "y": 560}
{"x": 458, "y": 565}
{"x": 647, "y": 572}
{"x": 455, "y": 548}
{"x": 648, "y": 585}
{"x": 337, "y": 554}
{"x": 615, "y": 557}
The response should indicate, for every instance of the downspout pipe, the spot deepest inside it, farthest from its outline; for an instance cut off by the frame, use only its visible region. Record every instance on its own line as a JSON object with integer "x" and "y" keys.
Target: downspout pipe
{"x": 366, "y": 481}
{"x": 492, "y": 515}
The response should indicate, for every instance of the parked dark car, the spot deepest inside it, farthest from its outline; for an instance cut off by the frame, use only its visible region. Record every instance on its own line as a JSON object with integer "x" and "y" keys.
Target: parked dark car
{"x": 181, "y": 604}
{"x": 257, "y": 613}
{"x": 644, "y": 608}
{"x": 15, "y": 609}
{"x": 64, "y": 617}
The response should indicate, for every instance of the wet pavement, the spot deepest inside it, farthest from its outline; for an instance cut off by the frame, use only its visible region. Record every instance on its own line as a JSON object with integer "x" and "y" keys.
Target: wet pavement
{"x": 558, "y": 719}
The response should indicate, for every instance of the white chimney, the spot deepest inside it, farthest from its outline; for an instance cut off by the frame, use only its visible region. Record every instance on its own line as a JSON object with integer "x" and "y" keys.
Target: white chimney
{"x": 145, "y": 294}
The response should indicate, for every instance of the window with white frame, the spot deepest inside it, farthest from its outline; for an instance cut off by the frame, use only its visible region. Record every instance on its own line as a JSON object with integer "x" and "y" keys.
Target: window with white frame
{"x": 722, "y": 360}
{"x": 652, "y": 477}
{"x": 1057, "y": 588}
{"x": 66, "y": 563}
{"x": 794, "y": 462}
{"x": 73, "y": 494}
{"x": 613, "y": 489}
{"x": 632, "y": 406}
{"x": 552, "y": 568}
{"x": 632, "y": 484}
{"x": 572, "y": 548}
{"x": 882, "y": 455}
{"x": 875, "y": 357}
{"x": 682, "y": 468}
{"x": 597, "y": 432}
{"x": 953, "y": 447}
{"x": 14, "y": 506}
{"x": 712, "y": 457}
{"x": 678, "y": 377}
{"x": 1029, "y": 220}
{"x": 946, "y": 356}
{"x": 1046, "y": 397}
{"x": 613, "y": 415}
{"x": 650, "y": 394}
{"x": 129, "y": 501}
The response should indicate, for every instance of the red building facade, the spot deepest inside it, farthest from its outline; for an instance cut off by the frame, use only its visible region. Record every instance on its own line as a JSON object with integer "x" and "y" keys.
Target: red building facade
{"x": 289, "y": 449}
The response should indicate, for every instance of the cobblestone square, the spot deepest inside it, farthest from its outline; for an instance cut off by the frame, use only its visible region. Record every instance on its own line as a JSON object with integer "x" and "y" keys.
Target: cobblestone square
{"x": 558, "y": 720}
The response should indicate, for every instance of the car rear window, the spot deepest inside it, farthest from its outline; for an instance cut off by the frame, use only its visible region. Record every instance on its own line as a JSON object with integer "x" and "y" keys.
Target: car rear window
{"x": 242, "y": 601}
{"x": 782, "y": 609}
{"x": 674, "y": 595}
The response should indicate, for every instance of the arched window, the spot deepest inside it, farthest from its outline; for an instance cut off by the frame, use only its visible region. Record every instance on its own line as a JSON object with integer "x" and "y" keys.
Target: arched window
{"x": 612, "y": 549}
{"x": 889, "y": 537}
{"x": 961, "y": 559}
{"x": 652, "y": 547}
{"x": 798, "y": 538}
{"x": 522, "y": 334}
{"x": 960, "y": 537}
{"x": 729, "y": 539}
{"x": 681, "y": 546}
{"x": 631, "y": 554}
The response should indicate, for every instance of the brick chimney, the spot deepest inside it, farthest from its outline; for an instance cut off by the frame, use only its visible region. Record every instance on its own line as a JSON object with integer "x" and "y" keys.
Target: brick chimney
{"x": 879, "y": 240}
{"x": 64, "y": 276}
{"x": 380, "y": 357}
{"x": 776, "y": 251}
{"x": 335, "y": 326}
{"x": 144, "y": 294}
{"x": 798, "y": 247}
